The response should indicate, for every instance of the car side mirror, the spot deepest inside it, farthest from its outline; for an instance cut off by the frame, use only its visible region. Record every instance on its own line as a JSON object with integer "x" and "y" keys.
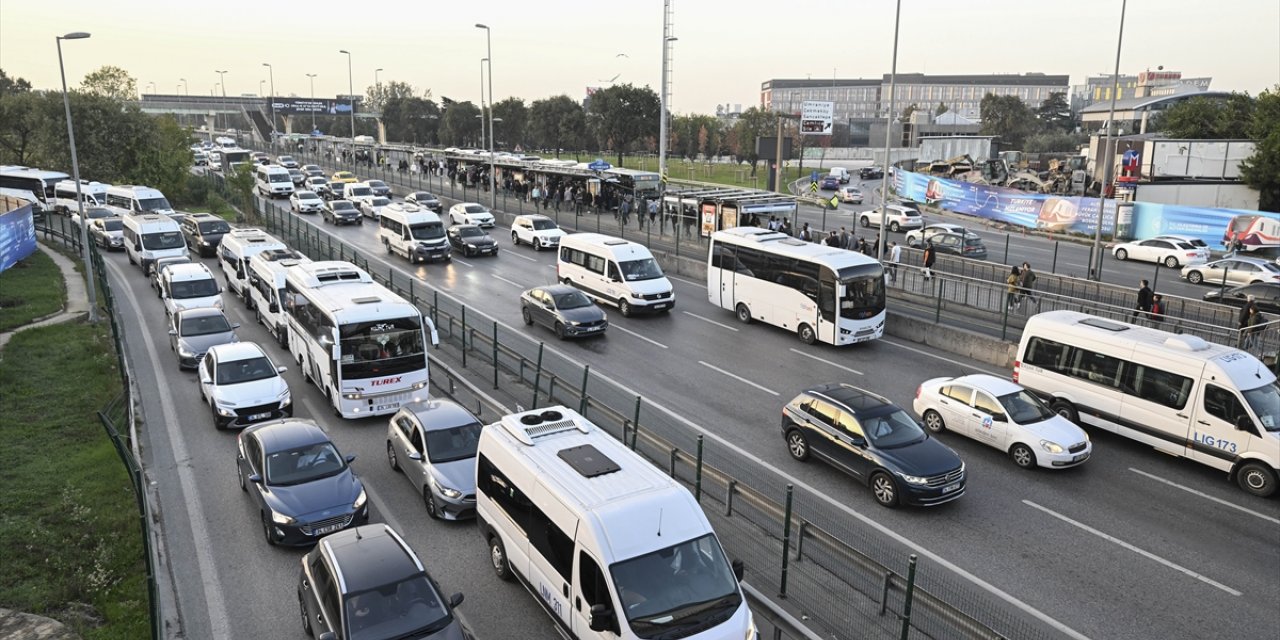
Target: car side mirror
{"x": 351, "y": 457}
{"x": 414, "y": 455}
{"x": 601, "y": 617}
{"x": 273, "y": 308}
{"x": 999, "y": 417}
{"x": 1243, "y": 423}
{"x": 858, "y": 441}
{"x": 739, "y": 569}
{"x": 235, "y": 325}
{"x": 255, "y": 478}
{"x": 281, "y": 369}
{"x": 455, "y": 599}
{"x": 328, "y": 635}
{"x": 173, "y": 332}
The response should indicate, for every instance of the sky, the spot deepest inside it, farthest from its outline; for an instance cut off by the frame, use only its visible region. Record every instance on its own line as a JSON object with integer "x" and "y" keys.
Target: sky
{"x": 724, "y": 49}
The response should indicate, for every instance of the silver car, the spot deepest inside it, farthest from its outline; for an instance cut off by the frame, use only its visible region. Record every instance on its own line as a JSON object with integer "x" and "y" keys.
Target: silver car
{"x": 433, "y": 444}
{"x": 1234, "y": 270}
{"x": 193, "y": 331}
{"x": 564, "y": 309}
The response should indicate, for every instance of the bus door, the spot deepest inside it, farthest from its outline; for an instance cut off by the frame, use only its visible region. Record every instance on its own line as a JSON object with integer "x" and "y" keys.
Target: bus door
{"x": 723, "y": 257}
{"x": 828, "y": 327}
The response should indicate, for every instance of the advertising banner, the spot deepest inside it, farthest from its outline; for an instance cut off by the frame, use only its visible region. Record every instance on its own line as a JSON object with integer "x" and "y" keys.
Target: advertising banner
{"x": 320, "y": 106}
{"x": 17, "y": 236}
{"x": 708, "y": 219}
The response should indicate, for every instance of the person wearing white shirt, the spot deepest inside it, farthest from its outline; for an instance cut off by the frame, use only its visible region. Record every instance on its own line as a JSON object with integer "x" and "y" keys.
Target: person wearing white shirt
{"x": 895, "y": 256}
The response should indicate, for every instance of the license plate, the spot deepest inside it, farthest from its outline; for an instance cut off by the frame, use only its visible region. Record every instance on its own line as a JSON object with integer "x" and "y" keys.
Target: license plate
{"x": 387, "y": 407}
{"x": 259, "y": 416}
{"x": 661, "y": 306}
{"x": 1080, "y": 457}
{"x": 951, "y": 487}
{"x": 323, "y": 530}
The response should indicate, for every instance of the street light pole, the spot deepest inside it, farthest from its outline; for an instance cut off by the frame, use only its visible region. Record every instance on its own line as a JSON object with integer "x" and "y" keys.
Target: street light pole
{"x": 888, "y": 134}
{"x": 488, "y": 47}
{"x": 1108, "y": 158}
{"x": 152, "y": 85}
{"x": 667, "y": 39}
{"x": 312, "y": 76}
{"x": 351, "y": 98}
{"x": 75, "y": 175}
{"x": 222, "y": 80}
{"x": 271, "y": 73}
{"x": 185, "y": 87}
{"x": 483, "y": 61}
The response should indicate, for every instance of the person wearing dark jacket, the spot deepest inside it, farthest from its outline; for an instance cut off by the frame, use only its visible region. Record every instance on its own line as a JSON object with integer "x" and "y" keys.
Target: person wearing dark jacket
{"x": 930, "y": 256}
{"x": 1145, "y": 298}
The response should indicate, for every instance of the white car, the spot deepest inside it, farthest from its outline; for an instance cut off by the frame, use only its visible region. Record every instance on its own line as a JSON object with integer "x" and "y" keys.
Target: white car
{"x": 917, "y": 237}
{"x": 899, "y": 217}
{"x": 287, "y": 162}
{"x": 471, "y": 213}
{"x": 1170, "y": 253}
{"x": 318, "y": 184}
{"x": 358, "y": 192}
{"x": 306, "y": 202}
{"x": 215, "y": 161}
{"x": 536, "y": 231}
{"x": 1003, "y": 415}
{"x": 242, "y": 385}
{"x": 372, "y": 208}
{"x": 1232, "y": 271}
{"x": 850, "y": 195}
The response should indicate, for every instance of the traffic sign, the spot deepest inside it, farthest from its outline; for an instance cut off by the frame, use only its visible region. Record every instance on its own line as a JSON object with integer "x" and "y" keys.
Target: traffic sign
{"x": 835, "y": 202}
{"x": 599, "y": 165}
{"x": 814, "y": 175}
{"x": 813, "y": 186}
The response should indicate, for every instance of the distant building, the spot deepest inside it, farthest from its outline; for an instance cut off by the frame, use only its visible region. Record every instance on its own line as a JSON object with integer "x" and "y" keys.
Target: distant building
{"x": 1148, "y": 83}
{"x": 1133, "y": 114}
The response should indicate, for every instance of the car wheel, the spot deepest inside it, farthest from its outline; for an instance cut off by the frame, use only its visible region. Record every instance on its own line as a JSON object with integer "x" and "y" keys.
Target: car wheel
{"x": 306, "y": 620}
{"x": 243, "y": 486}
{"x": 1064, "y": 409}
{"x": 429, "y": 501}
{"x": 266, "y": 531}
{"x": 560, "y": 331}
{"x": 893, "y": 226}
{"x": 884, "y": 490}
{"x": 537, "y": 244}
{"x": 1171, "y": 262}
{"x": 934, "y": 422}
{"x": 515, "y": 239}
{"x": 806, "y": 334}
{"x": 1121, "y": 254}
{"x": 1195, "y": 277}
{"x": 391, "y": 457}
{"x": 1257, "y": 479}
{"x": 797, "y": 445}
{"x": 744, "y": 314}
{"x": 528, "y": 317}
{"x": 498, "y": 559}
{"x": 1023, "y": 456}
{"x": 865, "y": 221}
{"x": 912, "y": 242}
{"x": 624, "y": 307}
{"x": 217, "y": 422}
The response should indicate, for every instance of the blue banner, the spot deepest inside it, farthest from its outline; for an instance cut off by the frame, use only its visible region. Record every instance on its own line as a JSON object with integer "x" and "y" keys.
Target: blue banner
{"x": 17, "y": 236}
{"x": 1075, "y": 214}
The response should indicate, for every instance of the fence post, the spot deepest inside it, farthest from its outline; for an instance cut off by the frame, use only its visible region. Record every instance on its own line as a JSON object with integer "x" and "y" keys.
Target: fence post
{"x": 635, "y": 425}
{"x": 906, "y": 605}
{"x": 786, "y": 542}
{"x": 537, "y": 375}
{"x": 495, "y": 351}
{"x": 582, "y": 402}
{"x": 551, "y": 391}
{"x": 1054, "y": 268}
{"x": 675, "y": 456}
{"x": 697, "y": 473}
{"x": 940, "y": 288}
{"x": 464, "y": 336}
{"x": 1006, "y": 248}
{"x": 435, "y": 311}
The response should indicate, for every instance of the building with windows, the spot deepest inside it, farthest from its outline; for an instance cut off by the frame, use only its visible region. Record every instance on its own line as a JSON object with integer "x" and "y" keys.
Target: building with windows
{"x": 1147, "y": 84}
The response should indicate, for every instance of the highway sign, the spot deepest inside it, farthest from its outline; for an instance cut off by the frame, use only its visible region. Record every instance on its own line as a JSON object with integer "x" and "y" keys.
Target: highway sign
{"x": 599, "y": 165}
{"x": 815, "y": 118}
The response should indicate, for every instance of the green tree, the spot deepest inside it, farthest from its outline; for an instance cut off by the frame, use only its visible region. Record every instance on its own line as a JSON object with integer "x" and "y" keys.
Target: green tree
{"x": 461, "y": 125}
{"x": 511, "y": 132}
{"x": 1054, "y": 113}
{"x": 1203, "y": 118}
{"x": 942, "y": 108}
{"x": 754, "y": 123}
{"x": 166, "y": 159}
{"x": 623, "y": 116}
{"x": 1007, "y": 117}
{"x": 377, "y": 95}
{"x": 411, "y": 119}
{"x": 557, "y": 123}
{"x": 110, "y": 82}
{"x": 24, "y": 117}
{"x": 1054, "y": 141}
{"x": 12, "y": 85}
{"x": 1262, "y": 170}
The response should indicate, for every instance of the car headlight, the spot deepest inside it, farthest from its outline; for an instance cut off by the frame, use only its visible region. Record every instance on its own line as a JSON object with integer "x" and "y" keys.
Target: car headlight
{"x": 360, "y": 500}
{"x": 226, "y": 413}
{"x": 186, "y": 353}
{"x": 1051, "y": 447}
{"x": 217, "y": 304}
{"x": 280, "y": 518}
{"x": 913, "y": 479}
{"x": 448, "y": 492}
{"x": 470, "y": 246}
{"x": 351, "y": 396}
{"x": 753, "y": 633}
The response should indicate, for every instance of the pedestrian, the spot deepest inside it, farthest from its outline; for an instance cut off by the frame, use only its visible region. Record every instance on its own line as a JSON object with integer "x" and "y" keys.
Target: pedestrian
{"x": 785, "y": 226}
{"x": 1011, "y": 290}
{"x": 832, "y": 239}
{"x": 844, "y": 238}
{"x": 1027, "y": 284}
{"x": 1252, "y": 327}
{"x": 930, "y": 256}
{"x": 1144, "y": 301}
{"x": 862, "y": 246}
{"x": 895, "y": 257}
{"x": 653, "y": 212}
{"x": 1157, "y": 310}
{"x": 805, "y": 234}
{"x": 1249, "y": 302}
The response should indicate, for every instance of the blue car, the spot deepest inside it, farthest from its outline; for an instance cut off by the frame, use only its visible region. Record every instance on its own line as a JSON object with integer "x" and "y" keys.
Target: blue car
{"x": 830, "y": 183}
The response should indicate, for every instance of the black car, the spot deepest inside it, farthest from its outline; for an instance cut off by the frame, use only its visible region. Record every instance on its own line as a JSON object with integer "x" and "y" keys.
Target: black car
{"x": 301, "y": 486}
{"x": 425, "y": 199}
{"x": 563, "y": 309}
{"x": 870, "y": 173}
{"x": 367, "y": 583}
{"x": 341, "y": 212}
{"x": 379, "y": 187}
{"x": 471, "y": 240}
{"x": 1265, "y": 294}
{"x": 873, "y": 440}
{"x": 966, "y": 245}
{"x": 204, "y": 232}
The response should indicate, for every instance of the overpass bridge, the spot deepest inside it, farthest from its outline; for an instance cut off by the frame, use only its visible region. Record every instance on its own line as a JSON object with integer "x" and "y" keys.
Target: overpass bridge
{"x": 248, "y": 114}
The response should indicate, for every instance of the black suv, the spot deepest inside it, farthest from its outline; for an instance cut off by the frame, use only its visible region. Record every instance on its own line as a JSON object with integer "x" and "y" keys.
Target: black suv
{"x": 367, "y": 583}
{"x": 204, "y": 232}
{"x": 870, "y": 173}
{"x": 873, "y": 440}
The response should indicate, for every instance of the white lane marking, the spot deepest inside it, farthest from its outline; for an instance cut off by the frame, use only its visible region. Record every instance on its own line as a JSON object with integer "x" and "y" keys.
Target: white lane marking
{"x": 510, "y": 282}
{"x": 1141, "y": 552}
{"x": 718, "y": 324}
{"x": 938, "y": 357}
{"x": 1206, "y": 496}
{"x": 737, "y": 377}
{"x": 462, "y": 262}
{"x": 628, "y": 331}
{"x": 210, "y": 584}
{"x": 824, "y": 360}
{"x": 696, "y": 284}
{"x": 512, "y": 253}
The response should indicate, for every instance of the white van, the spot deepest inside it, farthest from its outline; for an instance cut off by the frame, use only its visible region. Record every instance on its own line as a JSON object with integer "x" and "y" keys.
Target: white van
{"x": 94, "y": 194}
{"x": 149, "y": 237}
{"x": 841, "y": 174}
{"x": 413, "y": 232}
{"x": 189, "y": 285}
{"x": 609, "y": 545}
{"x": 266, "y": 289}
{"x": 234, "y": 252}
{"x": 615, "y": 271}
{"x": 273, "y": 181}
{"x": 1214, "y": 404}
{"x": 135, "y": 199}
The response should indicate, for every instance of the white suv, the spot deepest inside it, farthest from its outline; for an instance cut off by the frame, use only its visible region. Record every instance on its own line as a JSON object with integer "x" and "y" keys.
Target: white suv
{"x": 538, "y": 231}
{"x": 471, "y": 213}
{"x": 899, "y": 217}
{"x": 242, "y": 385}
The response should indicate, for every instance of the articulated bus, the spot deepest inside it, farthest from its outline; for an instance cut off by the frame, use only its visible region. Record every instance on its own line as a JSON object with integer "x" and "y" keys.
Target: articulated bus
{"x": 822, "y": 293}
{"x": 363, "y": 345}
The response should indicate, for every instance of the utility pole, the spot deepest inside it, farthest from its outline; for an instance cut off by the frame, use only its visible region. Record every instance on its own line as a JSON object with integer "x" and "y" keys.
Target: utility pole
{"x": 888, "y": 134}
{"x": 667, "y": 39}
{"x": 1108, "y": 159}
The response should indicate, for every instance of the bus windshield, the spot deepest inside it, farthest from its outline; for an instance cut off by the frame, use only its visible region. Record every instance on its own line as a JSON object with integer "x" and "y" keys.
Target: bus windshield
{"x": 1265, "y": 402}
{"x": 427, "y": 231}
{"x": 382, "y": 348}
{"x": 163, "y": 240}
{"x": 645, "y": 269}
{"x": 861, "y": 291}
{"x": 154, "y": 204}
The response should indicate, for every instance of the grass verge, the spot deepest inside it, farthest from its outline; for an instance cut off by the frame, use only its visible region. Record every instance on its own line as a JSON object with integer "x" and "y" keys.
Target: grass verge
{"x": 72, "y": 548}
{"x": 30, "y": 289}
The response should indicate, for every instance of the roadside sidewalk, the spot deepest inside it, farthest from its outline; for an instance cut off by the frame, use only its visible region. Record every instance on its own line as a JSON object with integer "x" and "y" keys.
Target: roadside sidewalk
{"x": 77, "y": 302}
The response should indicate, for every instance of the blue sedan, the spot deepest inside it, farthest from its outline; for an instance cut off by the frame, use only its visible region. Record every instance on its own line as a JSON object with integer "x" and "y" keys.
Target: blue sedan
{"x": 830, "y": 183}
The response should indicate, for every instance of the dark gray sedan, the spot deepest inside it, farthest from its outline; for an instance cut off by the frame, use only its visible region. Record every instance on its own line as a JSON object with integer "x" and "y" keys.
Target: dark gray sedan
{"x": 193, "y": 331}
{"x": 472, "y": 240}
{"x": 434, "y": 444}
{"x": 341, "y": 212}
{"x": 564, "y": 309}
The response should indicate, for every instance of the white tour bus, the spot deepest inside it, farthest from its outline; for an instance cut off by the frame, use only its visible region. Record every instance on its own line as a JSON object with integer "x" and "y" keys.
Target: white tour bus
{"x": 234, "y": 251}
{"x": 266, "y": 289}
{"x": 608, "y": 544}
{"x": 413, "y": 232}
{"x": 273, "y": 181}
{"x": 1214, "y": 404}
{"x": 614, "y": 271}
{"x": 134, "y": 199}
{"x": 823, "y": 294}
{"x": 149, "y": 237}
{"x": 362, "y": 344}
{"x": 39, "y": 182}
{"x": 94, "y": 194}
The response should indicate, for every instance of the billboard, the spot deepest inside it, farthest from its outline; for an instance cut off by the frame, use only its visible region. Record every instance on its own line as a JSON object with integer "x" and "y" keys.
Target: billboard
{"x": 319, "y": 106}
{"x": 815, "y": 118}
{"x": 17, "y": 236}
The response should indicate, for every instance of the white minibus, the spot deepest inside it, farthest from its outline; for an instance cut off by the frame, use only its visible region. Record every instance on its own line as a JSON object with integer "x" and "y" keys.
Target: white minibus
{"x": 273, "y": 181}
{"x": 135, "y": 199}
{"x": 149, "y": 237}
{"x": 614, "y": 271}
{"x": 234, "y": 252}
{"x": 413, "y": 232}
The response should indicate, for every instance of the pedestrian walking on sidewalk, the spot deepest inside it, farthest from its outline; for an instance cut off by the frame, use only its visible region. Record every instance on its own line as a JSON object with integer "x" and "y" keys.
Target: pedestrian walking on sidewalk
{"x": 930, "y": 256}
{"x": 1027, "y": 285}
{"x": 1145, "y": 298}
{"x": 1011, "y": 290}
{"x": 895, "y": 256}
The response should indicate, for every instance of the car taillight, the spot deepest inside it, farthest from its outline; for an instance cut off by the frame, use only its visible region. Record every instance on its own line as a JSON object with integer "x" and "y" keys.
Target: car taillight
{"x": 918, "y": 387}
{"x": 1016, "y": 365}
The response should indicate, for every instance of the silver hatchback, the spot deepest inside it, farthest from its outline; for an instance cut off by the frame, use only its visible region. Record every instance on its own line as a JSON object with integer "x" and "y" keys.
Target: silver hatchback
{"x": 434, "y": 444}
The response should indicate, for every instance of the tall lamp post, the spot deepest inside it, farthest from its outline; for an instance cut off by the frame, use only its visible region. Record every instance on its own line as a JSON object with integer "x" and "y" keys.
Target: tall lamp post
{"x": 185, "y": 87}
{"x": 351, "y": 96}
{"x": 483, "y": 61}
{"x": 888, "y": 133}
{"x": 271, "y": 74}
{"x": 376, "y": 82}
{"x": 488, "y": 48}
{"x": 75, "y": 175}
{"x": 152, "y": 85}
{"x": 222, "y": 80}
{"x": 667, "y": 39}
{"x": 312, "y": 76}
{"x": 1108, "y": 159}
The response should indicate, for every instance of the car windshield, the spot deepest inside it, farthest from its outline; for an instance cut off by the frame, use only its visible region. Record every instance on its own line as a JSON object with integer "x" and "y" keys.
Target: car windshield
{"x": 475, "y": 208}
{"x": 471, "y": 232}
{"x": 205, "y": 325}
{"x": 645, "y": 269}
{"x": 690, "y": 582}
{"x": 1271, "y": 266}
{"x": 893, "y": 429}
{"x": 544, "y": 225}
{"x": 154, "y": 204}
{"x": 284, "y": 159}
{"x": 423, "y": 196}
{"x": 1265, "y": 402}
{"x": 163, "y": 240}
{"x": 317, "y": 181}
{"x": 112, "y": 224}
{"x": 303, "y": 464}
{"x": 572, "y": 300}
{"x": 379, "y": 202}
{"x": 1024, "y": 407}
{"x": 238, "y": 371}
{"x": 193, "y": 289}
{"x": 361, "y": 191}
{"x": 453, "y": 443}
{"x": 340, "y": 205}
{"x": 410, "y": 608}
{"x": 377, "y": 184}
{"x": 214, "y": 226}
{"x": 99, "y": 213}
{"x": 427, "y": 230}
{"x": 306, "y": 195}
